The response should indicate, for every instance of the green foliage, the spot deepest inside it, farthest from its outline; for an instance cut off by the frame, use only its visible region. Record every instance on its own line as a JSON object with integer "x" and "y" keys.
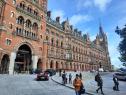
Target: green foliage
{"x": 122, "y": 44}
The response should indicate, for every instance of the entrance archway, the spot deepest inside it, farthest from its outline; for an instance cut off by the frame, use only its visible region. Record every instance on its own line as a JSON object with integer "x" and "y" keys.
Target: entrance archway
{"x": 39, "y": 64}
{"x": 100, "y": 65}
{"x": 23, "y": 61}
{"x": 4, "y": 66}
{"x": 51, "y": 64}
{"x": 57, "y": 66}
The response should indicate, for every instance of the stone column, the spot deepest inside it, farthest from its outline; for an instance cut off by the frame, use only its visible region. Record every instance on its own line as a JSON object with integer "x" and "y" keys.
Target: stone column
{"x": 44, "y": 61}
{"x": 12, "y": 60}
{"x": 34, "y": 61}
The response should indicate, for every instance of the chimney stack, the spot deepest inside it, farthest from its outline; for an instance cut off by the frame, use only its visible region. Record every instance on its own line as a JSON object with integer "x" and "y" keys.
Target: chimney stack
{"x": 49, "y": 14}
{"x": 58, "y": 19}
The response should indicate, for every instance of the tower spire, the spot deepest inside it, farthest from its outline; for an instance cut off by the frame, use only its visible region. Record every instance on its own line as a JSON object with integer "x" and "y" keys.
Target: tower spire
{"x": 101, "y": 32}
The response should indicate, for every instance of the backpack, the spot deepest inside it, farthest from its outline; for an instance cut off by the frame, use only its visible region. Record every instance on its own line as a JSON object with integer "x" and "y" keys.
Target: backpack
{"x": 96, "y": 79}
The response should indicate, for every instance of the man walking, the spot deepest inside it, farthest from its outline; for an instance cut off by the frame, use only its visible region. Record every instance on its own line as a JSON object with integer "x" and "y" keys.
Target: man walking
{"x": 77, "y": 83}
{"x": 115, "y": 80}
{"x": 99, "y": 81}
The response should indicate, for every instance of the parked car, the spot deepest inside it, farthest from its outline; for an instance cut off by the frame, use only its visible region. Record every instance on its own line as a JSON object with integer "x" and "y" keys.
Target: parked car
{"x": 42, "y": 76}
{"x": 120, "y": 76}
{"x": 51, "y": 72}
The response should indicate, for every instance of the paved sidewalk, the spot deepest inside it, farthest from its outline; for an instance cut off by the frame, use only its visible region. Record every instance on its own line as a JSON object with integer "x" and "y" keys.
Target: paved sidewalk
{"x": 86, "y": 77}
{"x": 91, "y": 86}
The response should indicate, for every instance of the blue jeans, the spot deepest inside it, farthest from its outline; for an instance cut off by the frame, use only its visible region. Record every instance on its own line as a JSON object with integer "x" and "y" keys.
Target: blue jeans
{"x": 77, "y": 92}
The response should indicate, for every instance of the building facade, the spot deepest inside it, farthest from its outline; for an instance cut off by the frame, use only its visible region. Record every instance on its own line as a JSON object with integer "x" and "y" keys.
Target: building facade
{"x": 30, "y": 39}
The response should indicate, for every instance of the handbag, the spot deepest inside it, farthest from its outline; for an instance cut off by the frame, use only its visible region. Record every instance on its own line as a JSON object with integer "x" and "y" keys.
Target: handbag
{"x": 82, "y": 89}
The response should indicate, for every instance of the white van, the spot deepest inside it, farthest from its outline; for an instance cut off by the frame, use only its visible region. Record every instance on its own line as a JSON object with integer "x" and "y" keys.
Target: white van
{"x": 100, "y": 70}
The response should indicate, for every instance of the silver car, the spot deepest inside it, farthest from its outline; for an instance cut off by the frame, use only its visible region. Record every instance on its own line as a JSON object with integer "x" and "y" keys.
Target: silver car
{"x": 120, "y": 76}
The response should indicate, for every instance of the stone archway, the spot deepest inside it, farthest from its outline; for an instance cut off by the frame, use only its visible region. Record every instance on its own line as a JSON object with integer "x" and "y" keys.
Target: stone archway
{"x": 39, "y": 64}
{"x": 51, "y": 64}
{"x": 23, "y": 61}
{"x": 100, "y": 65}
{"x": 57, "y": 66}
{"x": 4, "y": 66}
{"x": 71, "y": 66}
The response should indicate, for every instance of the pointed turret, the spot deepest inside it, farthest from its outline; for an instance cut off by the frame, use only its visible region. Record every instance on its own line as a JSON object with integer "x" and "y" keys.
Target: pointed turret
{"x": 101, "y": 32}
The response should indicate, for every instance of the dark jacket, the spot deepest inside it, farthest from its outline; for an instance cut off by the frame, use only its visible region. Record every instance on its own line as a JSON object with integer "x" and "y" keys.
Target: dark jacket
{"x": 115, "y": 80}
{"x": 99, "y": 81}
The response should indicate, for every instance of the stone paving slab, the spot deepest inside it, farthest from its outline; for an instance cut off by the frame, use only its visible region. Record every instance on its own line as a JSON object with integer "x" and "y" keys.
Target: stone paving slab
{"x": 26, "y": 85}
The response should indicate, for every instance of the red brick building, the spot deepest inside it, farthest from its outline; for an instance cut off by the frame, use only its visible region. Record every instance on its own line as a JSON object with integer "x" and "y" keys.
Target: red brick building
{"x": 30, "y": 39}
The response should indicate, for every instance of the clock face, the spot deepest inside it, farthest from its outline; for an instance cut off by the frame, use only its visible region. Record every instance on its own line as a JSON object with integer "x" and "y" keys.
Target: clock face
{"x": 101, "y": 39}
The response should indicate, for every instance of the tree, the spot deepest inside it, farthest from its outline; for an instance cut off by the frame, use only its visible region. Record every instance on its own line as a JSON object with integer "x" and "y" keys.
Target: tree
{"x": 122, "y": 44}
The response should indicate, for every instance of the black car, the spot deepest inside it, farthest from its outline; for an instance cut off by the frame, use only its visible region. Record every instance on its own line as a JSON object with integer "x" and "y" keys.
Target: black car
{"x": 51, "y": 72}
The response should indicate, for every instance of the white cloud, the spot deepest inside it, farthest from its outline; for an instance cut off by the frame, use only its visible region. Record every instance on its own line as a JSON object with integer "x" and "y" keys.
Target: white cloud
{"x": 59, "y": 13}
{"x": 102, "y": 4}
{"x": 75, "y": 19}
{"x": 93, "y": 37}
{"x": 83, "y": 3}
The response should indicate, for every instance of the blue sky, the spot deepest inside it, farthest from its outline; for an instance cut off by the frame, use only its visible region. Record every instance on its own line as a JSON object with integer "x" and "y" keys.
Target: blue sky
{"x": 86, "y": 14}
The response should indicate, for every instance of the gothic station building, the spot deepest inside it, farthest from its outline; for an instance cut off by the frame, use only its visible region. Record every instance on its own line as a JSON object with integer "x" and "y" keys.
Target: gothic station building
{"x": 30, "y": 39}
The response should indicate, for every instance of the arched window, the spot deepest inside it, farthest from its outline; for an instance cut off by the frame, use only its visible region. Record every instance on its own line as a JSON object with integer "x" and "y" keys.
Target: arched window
{"x": 28, "y": 23}
{"x": 36, "y": 12}
{"x": 22, "y": 5}
{"x": 12, "y": 14}
{"x": 47, "y": 38}
{"x": 20, "y": 20}
{"x": 76, "y": 49}
{"x": 52, "y": 41}
{"x": 61, "y": 44}
{"x": 57, "y": 43}
{"x": 29, "y": 9}
{"x": 35, "y": 26}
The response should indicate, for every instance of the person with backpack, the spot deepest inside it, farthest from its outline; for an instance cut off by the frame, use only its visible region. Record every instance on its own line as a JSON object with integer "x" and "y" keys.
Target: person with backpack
{"x": 116, "y": 86}
{"x": 64, "y": 78}
{"x": 99, "y": 81}
{"x": 78, "y": 85}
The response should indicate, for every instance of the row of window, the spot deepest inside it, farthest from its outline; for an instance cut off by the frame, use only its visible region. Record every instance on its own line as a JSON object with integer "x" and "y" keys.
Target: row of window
{"x": 53, "y": 43}
{"x": 25, "y": 33}
{"x": 28, "y": 23}
{"x": 52, "y": 33}
{"x": 28, "y": 8}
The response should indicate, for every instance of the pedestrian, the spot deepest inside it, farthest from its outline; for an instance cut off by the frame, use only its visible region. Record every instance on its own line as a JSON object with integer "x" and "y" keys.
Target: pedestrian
{"x": 116, "y": 86}
{"x": 99, "y": 81}
{"x": 70, "y": 78}
{"x": 80, "y": 76}
{"x": 78, "y": 85}
{"x": 60, "y": 71}
{"x": 63, "y": 78}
